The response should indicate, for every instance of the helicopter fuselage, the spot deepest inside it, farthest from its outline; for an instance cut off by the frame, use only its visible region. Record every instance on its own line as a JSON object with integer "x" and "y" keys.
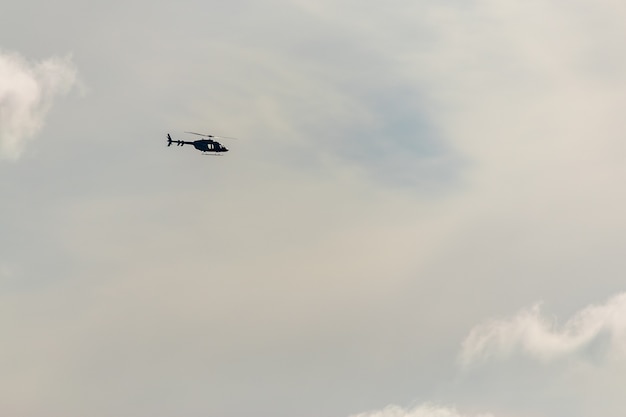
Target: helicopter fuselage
{"x": 208, "y": 145}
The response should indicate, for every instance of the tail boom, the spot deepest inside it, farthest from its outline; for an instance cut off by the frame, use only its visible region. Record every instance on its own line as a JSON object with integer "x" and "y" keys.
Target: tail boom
{"x": 177, "y": 142}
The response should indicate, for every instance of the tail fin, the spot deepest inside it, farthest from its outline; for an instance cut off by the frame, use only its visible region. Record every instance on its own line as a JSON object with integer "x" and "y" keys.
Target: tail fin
{"x": 169, "y": 140}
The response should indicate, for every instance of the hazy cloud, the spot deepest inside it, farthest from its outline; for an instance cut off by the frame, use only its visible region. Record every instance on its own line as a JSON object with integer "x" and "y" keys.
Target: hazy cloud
{"x": 27, "y": 91}
{"x": 155, "y": 282}
{"x": 426, "y": 410}
{"x": 533, "y": 334}
{"x": 5, "y": 270}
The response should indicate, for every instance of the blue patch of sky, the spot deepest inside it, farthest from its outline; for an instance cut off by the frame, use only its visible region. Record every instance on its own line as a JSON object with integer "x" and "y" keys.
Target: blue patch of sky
{"x": 402, "y": 146}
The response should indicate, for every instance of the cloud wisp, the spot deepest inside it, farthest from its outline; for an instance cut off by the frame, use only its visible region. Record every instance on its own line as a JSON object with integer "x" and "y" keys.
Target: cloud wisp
{"x": 425, "y": 410}
{"x": 27, "y": 91}
{"x": 594, "y": 329}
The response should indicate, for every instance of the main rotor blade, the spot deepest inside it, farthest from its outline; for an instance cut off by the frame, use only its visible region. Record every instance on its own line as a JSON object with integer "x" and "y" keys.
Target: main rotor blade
{"x": 211, "y": 136}
{"x": 201, "y": 134}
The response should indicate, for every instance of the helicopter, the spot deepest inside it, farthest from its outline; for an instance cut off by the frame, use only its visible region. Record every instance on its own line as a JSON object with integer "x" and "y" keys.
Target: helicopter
{"x": 207, "y": 146}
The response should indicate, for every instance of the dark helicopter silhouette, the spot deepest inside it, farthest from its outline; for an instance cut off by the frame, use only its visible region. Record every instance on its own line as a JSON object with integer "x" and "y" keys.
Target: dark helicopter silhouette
{"x": 207, "y": 146}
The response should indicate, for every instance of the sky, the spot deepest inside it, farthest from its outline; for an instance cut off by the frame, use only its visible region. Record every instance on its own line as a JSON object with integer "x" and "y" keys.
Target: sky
{"x": 422, "y": 215}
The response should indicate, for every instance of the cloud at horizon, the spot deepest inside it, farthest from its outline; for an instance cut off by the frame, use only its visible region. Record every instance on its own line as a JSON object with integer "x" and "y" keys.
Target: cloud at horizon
{"x": 529, "y": 364}
{"x": 425, "y": 410}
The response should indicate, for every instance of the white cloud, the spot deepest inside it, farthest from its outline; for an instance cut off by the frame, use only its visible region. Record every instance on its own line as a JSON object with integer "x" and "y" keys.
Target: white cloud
{"x": 27, "y": 91}
{"x": 426, "y": 410}
{"x": 533, "y": 334}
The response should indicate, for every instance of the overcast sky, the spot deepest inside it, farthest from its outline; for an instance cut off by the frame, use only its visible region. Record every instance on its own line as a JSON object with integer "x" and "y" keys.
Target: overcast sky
{"x": 423, "y": 215}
